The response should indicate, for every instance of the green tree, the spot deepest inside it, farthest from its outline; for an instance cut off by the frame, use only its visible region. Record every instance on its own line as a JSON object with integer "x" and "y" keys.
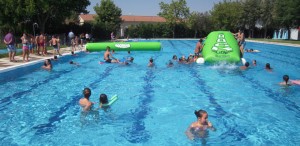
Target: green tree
{"x": 15, "y": 12}
{"x": 226, "y": 15}
{"x": 200, "y": 23}
{"x": 251, "y": 14}
{"x": 286, "y": 13}
{"x": 109, "y": 16}
{"x": 266, "y": 15}
{"x": 175, "y": 12}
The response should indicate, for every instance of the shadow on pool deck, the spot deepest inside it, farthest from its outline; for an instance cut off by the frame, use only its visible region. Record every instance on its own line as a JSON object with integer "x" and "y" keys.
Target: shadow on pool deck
{"x": 6, "y": 65}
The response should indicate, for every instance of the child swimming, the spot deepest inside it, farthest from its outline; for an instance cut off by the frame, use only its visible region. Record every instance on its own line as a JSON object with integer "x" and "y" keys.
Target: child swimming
{"x": 198, "y": 128}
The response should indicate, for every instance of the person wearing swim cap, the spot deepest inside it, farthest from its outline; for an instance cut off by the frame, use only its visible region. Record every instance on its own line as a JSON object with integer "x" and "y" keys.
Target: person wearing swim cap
{"x": 85, "y": 102}
{"x": 199, "y": 127}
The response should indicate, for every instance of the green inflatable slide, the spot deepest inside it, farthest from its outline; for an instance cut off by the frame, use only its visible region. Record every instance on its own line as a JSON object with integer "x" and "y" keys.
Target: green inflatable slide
{"x": 124, "y": 46}
{"x": 221, "y": 46}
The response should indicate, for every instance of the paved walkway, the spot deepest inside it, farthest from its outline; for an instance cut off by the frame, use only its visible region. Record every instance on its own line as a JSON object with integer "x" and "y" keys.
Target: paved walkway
{"x": 6, "y": 65}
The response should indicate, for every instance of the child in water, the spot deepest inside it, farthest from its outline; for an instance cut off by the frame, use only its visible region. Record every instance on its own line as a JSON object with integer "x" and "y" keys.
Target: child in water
{"x": 103, "y": 100}
{"x": 198, "y": 128}
{"x": 150, "y": 64}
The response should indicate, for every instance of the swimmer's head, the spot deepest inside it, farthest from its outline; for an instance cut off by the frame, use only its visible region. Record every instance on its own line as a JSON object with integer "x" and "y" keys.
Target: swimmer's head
{"x": 107, "y": 48}
{"x": 268, "y": 66}
{"x": 247, "y": 64}
{"x": 128, "y": 52}
{"x": 72, "y": 52}
{"x": 254, "y": 61}
{"x": 174, "y": 57}
{"x": 71, "y": 62}
{"x": 131, "y": 59}
{"x": 201, "y": 40}
{"x": 103, "y": 99}
{"x": 286, "y": 78}
{"x": 87, "y": 93}
{"x": 201, "y": 115}
{"x": 170, "y": 63}
{"x": 55, "y": 57}
{"x": 151, "y": 60}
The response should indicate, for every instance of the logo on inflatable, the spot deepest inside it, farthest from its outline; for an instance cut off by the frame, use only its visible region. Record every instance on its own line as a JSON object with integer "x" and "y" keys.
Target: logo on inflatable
{"x": 221, "y": 46}
{"x": 122, "y": 46}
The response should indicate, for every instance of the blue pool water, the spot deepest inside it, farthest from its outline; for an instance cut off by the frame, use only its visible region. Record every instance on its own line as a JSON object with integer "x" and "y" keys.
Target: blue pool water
{"x": 155, "y": 105}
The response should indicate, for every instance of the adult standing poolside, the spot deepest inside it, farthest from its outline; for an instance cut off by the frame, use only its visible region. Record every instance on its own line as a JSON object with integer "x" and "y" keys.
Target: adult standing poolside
{"x": 41, "y": 45}
{"x": 10, "y": 44}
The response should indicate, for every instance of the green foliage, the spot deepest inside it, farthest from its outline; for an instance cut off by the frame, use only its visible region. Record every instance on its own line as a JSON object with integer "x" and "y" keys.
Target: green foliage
{"x": 226, "y": 15}
{"x": 200, "y": 23}
{"x": 175, "y": 12}
{"x": 108, "y": 17}
{"x": 286, "y": 13}
{"x": 16, "y": 13}
{"x": 158, "y": 30}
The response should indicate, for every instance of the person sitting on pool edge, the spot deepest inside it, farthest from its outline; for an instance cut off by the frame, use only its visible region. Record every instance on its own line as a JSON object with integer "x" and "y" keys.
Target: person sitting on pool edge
{"x": 286, "y": 81}
{"x": 199, "y": 127}
{"x": 107, "y": 55}
{"x": 47, "y": 65}
{"x": 84, "y": 102}
{"x": 245, "y": 66}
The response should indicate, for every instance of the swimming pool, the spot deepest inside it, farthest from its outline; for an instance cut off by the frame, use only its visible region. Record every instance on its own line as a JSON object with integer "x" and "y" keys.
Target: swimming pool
{"x": 155, "y": 105}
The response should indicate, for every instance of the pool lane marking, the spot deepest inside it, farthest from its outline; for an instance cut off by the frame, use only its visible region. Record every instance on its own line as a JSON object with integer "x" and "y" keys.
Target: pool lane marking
{"x": 137, "y": 132}
{"x": 56, "y": 116}
{"x": 220, "y": 112}
{"x": 279, "y": 60}
{"x": 291, "y": 106}
{"x": 18, "y": 95}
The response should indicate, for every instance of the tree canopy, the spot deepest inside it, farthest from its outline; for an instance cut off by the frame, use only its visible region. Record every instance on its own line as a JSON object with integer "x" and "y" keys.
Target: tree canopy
{"x": 44, "y": 12}
{"x": 176, "y": 11}
{"x": 108, "y": 16}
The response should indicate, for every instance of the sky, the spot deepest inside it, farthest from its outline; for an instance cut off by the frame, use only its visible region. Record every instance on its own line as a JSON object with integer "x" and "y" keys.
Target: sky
{"x": 151, "y": 7}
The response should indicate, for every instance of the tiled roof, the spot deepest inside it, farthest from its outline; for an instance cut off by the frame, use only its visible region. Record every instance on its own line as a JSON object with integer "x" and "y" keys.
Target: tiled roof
{"x": 87, "y": 17}
{"x": 127, "y": 18}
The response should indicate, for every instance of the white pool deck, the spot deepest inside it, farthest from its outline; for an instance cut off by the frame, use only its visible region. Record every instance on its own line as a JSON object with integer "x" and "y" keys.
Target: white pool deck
{"x": 6, "y": 65}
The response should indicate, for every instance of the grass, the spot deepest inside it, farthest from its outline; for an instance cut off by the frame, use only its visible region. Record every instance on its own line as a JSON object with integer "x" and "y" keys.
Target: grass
{"x": 277, "y": 41}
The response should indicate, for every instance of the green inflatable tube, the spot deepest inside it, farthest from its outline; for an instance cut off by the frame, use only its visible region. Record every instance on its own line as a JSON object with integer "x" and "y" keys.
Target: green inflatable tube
{"x": 124, "y": 46}
{"x": 221, "y": 46}
{"x": 111, "y": 100}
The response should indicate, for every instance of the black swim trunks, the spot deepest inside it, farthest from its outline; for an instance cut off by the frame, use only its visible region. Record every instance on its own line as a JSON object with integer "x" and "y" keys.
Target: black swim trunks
{"x": 108, "y": 61}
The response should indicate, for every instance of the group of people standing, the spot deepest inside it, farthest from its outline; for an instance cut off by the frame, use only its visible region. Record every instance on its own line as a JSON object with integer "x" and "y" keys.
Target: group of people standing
{"x": 30, "y": 45}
